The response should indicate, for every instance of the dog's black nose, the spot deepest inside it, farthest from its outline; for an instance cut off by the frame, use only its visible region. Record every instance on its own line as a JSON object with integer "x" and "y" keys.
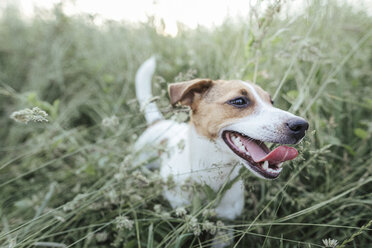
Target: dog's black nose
{"x": 297, "y": 127}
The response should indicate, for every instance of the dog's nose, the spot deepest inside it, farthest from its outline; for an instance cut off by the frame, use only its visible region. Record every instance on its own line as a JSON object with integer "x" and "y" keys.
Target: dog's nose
{"x": 297, "y": 127}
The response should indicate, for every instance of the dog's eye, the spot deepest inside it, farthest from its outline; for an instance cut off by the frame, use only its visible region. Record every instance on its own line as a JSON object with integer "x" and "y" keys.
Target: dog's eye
{"x": 240, "y": 102}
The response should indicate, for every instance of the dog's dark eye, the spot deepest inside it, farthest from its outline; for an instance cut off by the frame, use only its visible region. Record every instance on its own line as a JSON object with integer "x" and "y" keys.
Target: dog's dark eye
{"x": 240, "y": 102}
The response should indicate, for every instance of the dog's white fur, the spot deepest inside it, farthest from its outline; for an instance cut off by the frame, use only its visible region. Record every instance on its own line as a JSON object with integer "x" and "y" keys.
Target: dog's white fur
{"x": 202, "y": 160}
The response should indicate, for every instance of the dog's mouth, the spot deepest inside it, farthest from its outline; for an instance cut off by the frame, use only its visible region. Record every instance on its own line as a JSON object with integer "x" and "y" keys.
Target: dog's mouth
{"x": 258, "y": 156}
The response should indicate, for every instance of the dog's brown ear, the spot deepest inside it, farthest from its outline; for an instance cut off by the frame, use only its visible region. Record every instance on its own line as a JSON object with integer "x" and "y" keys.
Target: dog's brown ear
{"x": 184, "y": 92}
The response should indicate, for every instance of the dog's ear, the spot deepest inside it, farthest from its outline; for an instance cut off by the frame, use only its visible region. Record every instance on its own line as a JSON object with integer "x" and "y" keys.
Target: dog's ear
{"x": 184, "y": 92}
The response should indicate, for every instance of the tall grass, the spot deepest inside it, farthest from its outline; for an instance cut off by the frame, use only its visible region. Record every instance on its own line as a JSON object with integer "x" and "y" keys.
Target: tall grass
{"x": 72, "y": 182}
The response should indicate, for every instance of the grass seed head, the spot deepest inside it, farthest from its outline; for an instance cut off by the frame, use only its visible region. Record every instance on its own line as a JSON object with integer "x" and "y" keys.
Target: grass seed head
{"x": 209, "y": 227}
{"x": 180, "y": 211}
{"x": 330, "y": 242}
{"x": 112, "y": 121}
{"x": 26, "y": 115}
{"x": 122, "y": 222}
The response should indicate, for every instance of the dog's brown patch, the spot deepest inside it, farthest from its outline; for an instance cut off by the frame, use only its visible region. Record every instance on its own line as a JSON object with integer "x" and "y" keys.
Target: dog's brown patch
{"x": 184, "y": 92}
{"x": 209, "y": 102}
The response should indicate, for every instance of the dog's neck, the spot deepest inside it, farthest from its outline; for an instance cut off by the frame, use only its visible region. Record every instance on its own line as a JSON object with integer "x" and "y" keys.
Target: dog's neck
{"x": 216, "y": 165}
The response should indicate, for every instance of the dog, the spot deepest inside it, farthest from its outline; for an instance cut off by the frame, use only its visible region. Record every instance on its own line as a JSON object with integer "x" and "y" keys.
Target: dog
{"x": 229, "y": 122}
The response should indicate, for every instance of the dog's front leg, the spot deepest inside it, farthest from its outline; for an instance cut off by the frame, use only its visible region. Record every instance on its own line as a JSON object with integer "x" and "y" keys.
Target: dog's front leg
{"x": 232, "y": 202}
{"x": 230, "y": 207}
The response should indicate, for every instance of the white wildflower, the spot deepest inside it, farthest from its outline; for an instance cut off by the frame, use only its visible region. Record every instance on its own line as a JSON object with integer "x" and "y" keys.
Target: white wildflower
{"x": 112, "y": 121}
{"x": 330, "y": 242}
{"x": 180, "y": 211}
{"x": 127, "y": 161}
{"x": 157, "y": 208}
{"x": 141, "y": 178}
{"x": 196, "y": 230}
{"x": 119, "y": 176}
{"x": 220, "y": 224}
{"x": 193, "y": 225}
{"x": 209, "y": 213}
{"x": 69, "y": 206}
{"x": 59, "y": 218}
{"x": 135, "y": 198}
{"x": 165, "y": 215}
{"x": 101, "y": 237}
{"x": 155, "y": 177}
{"x": 123, "y": 222}
{"x": 122, "y": 169}
{"x": 26, "y": 115}
{"x": 209, "y": 227}
{"x": 113, "y": 196}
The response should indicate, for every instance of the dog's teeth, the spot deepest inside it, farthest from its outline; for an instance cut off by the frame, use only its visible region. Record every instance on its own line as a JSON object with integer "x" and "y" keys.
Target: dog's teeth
{"x": 265, "y": 166}
{"x": 238, "y": 143}
{"x": 235, "y": 140}
{"x": 279, "y": 165}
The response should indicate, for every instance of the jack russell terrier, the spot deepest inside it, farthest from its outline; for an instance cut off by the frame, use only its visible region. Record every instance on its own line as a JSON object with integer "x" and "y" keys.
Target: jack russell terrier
{"x": 230, "y": 121}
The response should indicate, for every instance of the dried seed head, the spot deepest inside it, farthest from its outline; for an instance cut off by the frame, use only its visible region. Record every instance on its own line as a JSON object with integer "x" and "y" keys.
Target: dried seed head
{"x": 26, "y": 115}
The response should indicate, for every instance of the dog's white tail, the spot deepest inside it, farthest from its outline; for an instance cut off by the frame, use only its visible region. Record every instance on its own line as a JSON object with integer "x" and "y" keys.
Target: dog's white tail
{"x": 144, "y": 92}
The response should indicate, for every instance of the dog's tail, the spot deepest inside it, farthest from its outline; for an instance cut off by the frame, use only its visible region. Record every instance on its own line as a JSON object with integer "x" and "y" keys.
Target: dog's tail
{"x": 144, "y": 92}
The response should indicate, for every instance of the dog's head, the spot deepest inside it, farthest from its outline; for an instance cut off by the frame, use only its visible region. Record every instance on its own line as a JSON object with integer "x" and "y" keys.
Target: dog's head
{"x": 241, "y": 116}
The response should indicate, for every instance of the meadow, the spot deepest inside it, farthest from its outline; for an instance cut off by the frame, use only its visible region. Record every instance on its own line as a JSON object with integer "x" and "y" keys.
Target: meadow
{"x": 72, "y": 181}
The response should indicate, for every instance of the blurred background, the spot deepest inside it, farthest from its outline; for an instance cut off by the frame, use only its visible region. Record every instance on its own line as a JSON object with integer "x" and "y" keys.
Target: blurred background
{"x": 69, "y": 119}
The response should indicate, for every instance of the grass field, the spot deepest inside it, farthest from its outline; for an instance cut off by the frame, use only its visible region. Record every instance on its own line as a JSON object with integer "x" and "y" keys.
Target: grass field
{"x": 71, "y": 181}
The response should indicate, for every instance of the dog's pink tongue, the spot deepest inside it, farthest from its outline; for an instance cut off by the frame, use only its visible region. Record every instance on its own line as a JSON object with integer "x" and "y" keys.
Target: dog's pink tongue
{"x": 278, "y": 155}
